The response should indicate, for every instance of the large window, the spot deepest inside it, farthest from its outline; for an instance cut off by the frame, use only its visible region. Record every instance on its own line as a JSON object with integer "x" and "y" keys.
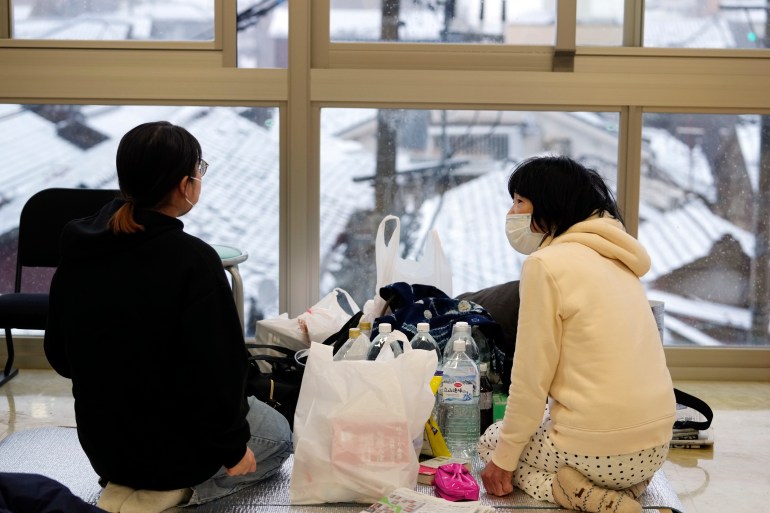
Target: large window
{"x": 444, "y": 21}
{"x": 177, "y": 20}
{"x": 702, "y": 223}
{"x": 699, "y": 24}
{"x": 263, "y": 33}
{"x": 419, "y": 108}
{"x": 446, "y": 170}
{"x": 238, "y": 207}
{"x": 261, "y": 25}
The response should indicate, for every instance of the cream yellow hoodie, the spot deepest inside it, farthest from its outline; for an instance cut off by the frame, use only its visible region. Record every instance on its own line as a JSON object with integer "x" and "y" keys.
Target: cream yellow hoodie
{"x": 588, "y": 344}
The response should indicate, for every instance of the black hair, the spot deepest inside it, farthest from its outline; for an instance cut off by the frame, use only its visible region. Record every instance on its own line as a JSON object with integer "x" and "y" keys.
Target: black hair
{"x": 562, "y": 191}
{"x": 151, "y": 160}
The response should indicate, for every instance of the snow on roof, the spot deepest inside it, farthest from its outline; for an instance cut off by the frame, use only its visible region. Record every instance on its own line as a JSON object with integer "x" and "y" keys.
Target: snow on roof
{"x": 240, "y": 202}
{"x": 335, "y": 121}
{"x": 470, "y": 220}
{"x": 27, "y": 169}
{"x": 668, "y": 28}
{"x": 678, "y": 237}
{"x": 133, "y": 22}
{"x": 687, "y": 168}
{"x": 200, "y": 10}
{"x": 749, "y": 140}
{"x": 716, "y": 313}
{"x": 365, "y": 24}
{"x": 81, "y": 28}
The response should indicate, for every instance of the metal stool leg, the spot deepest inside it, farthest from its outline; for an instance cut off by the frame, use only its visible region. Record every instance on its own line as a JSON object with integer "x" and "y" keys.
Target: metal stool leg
{"x": 238, "y": 292}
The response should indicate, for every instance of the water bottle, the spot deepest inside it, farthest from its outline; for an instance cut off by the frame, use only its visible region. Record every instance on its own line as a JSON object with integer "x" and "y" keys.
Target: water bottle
{"x": 424, "y": 340}
{"x": 485, "y": 399}
{"x": 462, "y": 331}
{"x": 356, "y": 347}
{"x": 485, "y": 355}
{"x": 366, "y": 329}
{"x": 379, "y": 341}
{"x": 460, "y": 403}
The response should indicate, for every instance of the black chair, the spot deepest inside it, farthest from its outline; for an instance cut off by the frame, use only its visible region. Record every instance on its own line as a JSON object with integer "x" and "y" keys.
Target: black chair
{"x": 40, "y": 224}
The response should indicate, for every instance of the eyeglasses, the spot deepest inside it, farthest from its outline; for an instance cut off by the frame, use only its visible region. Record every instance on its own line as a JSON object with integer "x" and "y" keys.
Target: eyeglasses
{"x": 202, "y": 167}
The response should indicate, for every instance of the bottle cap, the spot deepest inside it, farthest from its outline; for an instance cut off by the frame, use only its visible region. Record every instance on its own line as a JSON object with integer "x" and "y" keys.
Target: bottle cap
{"x": 365, "y": 325}
{"x": 423, "y": 326}
{"x": 354, "y": 332}
{"x": 459, "y": 345}
{"x": 385, "y": 327}
{"x": 483, "y": 366}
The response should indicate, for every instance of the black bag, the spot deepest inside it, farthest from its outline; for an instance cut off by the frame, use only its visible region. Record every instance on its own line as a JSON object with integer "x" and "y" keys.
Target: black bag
{"x": 278, "y": 388}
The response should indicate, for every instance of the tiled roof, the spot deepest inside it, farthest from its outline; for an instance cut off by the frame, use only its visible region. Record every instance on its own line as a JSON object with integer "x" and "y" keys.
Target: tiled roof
{"x": 678, "y": 237}
{"x": 239, "y": 205}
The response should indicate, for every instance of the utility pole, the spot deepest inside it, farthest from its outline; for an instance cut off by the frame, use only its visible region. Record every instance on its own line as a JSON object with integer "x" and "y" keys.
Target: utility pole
{"x": 385, "y": 186}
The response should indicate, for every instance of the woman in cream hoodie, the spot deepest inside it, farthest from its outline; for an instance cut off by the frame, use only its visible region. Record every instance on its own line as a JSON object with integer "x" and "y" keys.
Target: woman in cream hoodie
{"x": 587, "y": 346}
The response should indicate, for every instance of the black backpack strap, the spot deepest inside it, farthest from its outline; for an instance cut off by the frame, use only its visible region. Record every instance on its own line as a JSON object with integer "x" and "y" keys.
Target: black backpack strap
{"x": 339, "y": 338}
{"x": 696, "y": 404}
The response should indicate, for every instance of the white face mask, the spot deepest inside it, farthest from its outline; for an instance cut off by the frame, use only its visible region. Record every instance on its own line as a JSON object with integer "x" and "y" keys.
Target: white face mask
{"x": 188, "y": 199}
{"x": 520, "y": 235}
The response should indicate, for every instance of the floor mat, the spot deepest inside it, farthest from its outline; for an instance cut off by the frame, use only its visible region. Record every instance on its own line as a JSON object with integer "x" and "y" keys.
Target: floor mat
{"x": 56, "y": 453}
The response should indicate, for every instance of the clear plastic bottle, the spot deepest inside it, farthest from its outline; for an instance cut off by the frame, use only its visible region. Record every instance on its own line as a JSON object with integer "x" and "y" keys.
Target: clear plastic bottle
{"x": 485, "y": 354}
{"x": 366, "y": 329}
{"x": 424, "y": 340}
{"x": 485, "y": 399}
{"x": 379, "y": 341}
{"x": 356, "y": 347}
{"x": 460, "y": 403}
{"x": 462, "y": 330}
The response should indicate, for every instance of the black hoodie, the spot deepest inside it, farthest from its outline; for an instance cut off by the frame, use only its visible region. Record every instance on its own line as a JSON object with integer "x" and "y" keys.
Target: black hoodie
{"x": 146, "y": 327}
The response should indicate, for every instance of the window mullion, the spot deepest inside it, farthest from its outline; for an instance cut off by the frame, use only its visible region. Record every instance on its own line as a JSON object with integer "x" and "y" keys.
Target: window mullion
{"x": 320, "y": 37}
{"x": 225, "y": 33}
{"x": 629, "y": 166}
{"x": 566, "y": 26}
{"x": 300, "y": 246}
{"x": 5, "y": 19}
{"x": 633, "y": 23}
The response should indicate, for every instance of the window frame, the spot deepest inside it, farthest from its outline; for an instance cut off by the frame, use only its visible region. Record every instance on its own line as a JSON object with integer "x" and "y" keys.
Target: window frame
{"x": 222, "y": 11}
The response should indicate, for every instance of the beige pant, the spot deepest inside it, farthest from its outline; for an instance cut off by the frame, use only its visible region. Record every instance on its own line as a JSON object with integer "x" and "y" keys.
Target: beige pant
{"x": 122, "y": 499}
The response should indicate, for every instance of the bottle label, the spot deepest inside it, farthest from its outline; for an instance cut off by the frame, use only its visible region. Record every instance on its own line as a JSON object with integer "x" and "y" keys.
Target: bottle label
{"x": 458, "y": 389}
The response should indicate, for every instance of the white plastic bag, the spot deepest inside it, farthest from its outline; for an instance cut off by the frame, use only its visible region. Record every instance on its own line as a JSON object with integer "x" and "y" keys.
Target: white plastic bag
{"x": 433, "y": 268}
{"x": 318, "y": 323}
{"x": 356, "y": 424}
{"x": 386, "y": 353}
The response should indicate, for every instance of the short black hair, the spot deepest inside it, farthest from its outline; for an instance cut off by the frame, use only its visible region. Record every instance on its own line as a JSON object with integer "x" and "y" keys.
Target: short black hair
{"x": 151, "y": 160}
{"x": 562, "y": 191}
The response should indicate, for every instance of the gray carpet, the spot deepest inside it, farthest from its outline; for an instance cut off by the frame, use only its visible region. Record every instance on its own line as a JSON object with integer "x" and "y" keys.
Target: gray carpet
{"x": 56, "y": 453}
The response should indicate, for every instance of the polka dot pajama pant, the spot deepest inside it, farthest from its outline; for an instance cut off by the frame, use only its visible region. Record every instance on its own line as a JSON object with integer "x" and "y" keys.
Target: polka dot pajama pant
{"x": 540, "y": 460}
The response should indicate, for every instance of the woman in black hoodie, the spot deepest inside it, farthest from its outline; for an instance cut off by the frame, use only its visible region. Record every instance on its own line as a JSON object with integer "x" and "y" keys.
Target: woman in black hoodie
{"x": 143, "y": 321}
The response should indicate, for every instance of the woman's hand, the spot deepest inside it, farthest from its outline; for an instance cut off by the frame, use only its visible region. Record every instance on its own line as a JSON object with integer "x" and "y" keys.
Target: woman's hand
{"x": 496, "y": 480}
{"x": 247, "y": 465}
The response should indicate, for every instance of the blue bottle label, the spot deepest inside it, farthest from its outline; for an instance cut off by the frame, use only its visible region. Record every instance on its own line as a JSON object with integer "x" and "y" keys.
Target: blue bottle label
{"x": 458, "y": 389}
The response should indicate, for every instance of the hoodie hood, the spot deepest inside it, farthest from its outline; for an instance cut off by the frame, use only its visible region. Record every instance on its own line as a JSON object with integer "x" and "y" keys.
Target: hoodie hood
{"x": 92, "y": 237}
{"x": 607, "y": 236}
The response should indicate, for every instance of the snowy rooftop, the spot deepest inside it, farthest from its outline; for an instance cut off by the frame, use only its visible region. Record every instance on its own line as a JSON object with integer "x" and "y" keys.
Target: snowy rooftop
{"x": 240, "y": 206}
{"x": 240, "y": 203}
